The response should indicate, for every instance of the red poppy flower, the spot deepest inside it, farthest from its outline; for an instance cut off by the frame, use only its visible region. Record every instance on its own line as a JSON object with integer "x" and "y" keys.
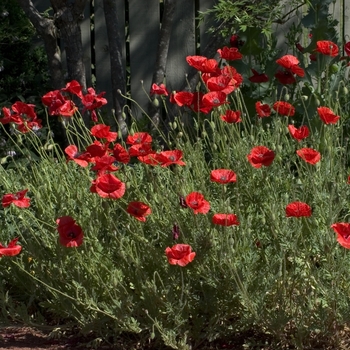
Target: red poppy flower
{"x": 260, "y": 156}
{"x": 233, "y": 74}
{"x": 70, "y": 233}
{"x": 18, "y": 199}
{"x": 309, "y": 155}
{"x": 298, "y": 209}
{"x": 58, "y": 104}
{"x": 290, "y": 63}
{"x": 97, "y": 150}
{"x": 105, "y": 163}
{"x": 102, "y": 131}
{"x": 327, "y": 48}
{"x": 138, "y": 138}
{"x": 218, "y": 83}
{"x": 284, "y": 108}
{"x": 299, "y": 133}
{"x": 348, "y": 182}
{"x": 92, "y": 100}
{"x": 81, "y": 158}
{"x": 327, "y": 115}
{"x": 212, "y": 99}
{"x": 263, "y": 109}
{"x": 225, "y": 219}
{"x": 258, "y": 77}
{"x": 235, "y": 41}
{"x": 121, "y": 154}
{"x": 223, "y": 176}
{"x": 9, "y": 117}
{"x": 12, "y": 248}
{"x": 342, "y": 229}
{"x": 24, "y": 110}
{"x": 108, "y": 186}
{"x": 150, "y": 159}
{"x": 139, "y": 210}
{"x": 285, "y": 77}
{"x": 347, "y": 48}
{"x": 230, "y": 54}
{"x": 180, "y": 254}
{"x": 196, "y": 201}
{"x": 182, "y": 98}
{"x": 159, "y": 90}
{"x": 26, "y": 126}
{"x": 203, "y": 64}
{"x": 74, "y": 87}
{"x": 313, "y": 57}
{"x": 139, "y": 150}
{"x": 231, "y": 117}
{"x": 166, "y": 158}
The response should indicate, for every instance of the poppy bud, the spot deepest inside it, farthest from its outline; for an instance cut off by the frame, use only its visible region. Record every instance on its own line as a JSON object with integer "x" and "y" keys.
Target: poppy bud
{"x": 3, "y": 160}
{"x": 155, "y": 102}
{"x": 345, "y": 90}
{"x": 215, "y": 147}
{"x": 304, "y": 97}
{"x": 334, "y": 68}
{"x": 179, "y": 135}
{"x": 212, "y": 125}
{"x": 174, "y": 125}
{"x": 124, "y": 115}
{"x": 286, "y": 97}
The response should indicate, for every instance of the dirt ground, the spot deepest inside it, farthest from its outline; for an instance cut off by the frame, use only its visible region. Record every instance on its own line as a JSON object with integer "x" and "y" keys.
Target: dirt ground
{"x": 24, "y": 338}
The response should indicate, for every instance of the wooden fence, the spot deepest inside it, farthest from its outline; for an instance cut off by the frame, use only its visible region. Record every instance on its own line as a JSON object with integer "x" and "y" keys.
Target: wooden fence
{"x": 141, "y": 40}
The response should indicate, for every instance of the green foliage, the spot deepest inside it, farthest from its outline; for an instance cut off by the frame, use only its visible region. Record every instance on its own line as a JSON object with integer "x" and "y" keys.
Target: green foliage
{"x": 238, "y": 16}
{"x": 23, "y": 66}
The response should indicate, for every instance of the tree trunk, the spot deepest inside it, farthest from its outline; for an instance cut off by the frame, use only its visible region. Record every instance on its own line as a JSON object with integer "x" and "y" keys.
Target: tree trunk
{"x": 162, "y": 56}
{"x": 117, "y": 67}
{"x": 47, "y": 30}
{"x": 67, "y": 19}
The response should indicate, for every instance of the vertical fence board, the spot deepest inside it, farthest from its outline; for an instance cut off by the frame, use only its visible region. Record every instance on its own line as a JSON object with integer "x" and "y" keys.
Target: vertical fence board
{"x": 102, "y": 58}
{"x": 346, "y": 20}
{"x": 86, "y": 41}
{"x": 209, "y": 22}
{"x": 182, "y": 43}
{"x": 144, "y": 23}
{"x": 144, "y": 19}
